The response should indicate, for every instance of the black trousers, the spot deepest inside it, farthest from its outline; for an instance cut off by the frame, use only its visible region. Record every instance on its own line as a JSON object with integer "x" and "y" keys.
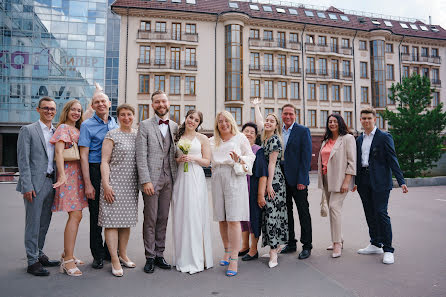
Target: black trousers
{"x": 98, "y": 247}
{"x": 301, "y": 200}
{"x": 375, "y": 210}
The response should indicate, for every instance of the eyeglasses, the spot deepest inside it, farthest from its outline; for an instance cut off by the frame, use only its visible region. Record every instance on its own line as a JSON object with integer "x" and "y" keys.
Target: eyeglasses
{"x": 46, "y": 108}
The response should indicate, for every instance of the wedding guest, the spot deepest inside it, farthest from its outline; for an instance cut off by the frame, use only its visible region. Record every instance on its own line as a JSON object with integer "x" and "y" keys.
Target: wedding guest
{"x": 190, "y": 209}
{"x": 336, "y": 171}
{"x": 70, "y": 195}
{"x": 274, "y": 216}
{"x": 35, "y": 155}
{"x": 118, "y": 203}
{"x": 92, "y": 133}
{"x": 231, "y": 159}
{"x": 250, "y": 131}
{"x": 376, "y": 162}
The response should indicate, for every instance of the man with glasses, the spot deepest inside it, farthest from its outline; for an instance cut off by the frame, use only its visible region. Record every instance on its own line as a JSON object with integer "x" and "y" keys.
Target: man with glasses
{"x": 35, "y": 156}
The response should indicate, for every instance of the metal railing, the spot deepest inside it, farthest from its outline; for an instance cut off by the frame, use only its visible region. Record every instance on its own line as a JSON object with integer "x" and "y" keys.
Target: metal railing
{"x": 329, "y": 74}
{"x": 422, "y": 59}
{"x": 435, "y": 82}
{"x": 167, "y": 35}
{"x": 272, "y": 43}
{"x": 274, "y": 70}
{"x": 167, "y": 64}
{"x": 325, "y": 48}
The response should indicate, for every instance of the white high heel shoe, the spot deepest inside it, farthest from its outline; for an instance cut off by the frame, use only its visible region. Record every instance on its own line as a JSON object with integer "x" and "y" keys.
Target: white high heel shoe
{"x": 117, "y": 272}
{"x": 72, "y": 271}
{"x": 128, "y": 264}
{"x": 273, "y": 260}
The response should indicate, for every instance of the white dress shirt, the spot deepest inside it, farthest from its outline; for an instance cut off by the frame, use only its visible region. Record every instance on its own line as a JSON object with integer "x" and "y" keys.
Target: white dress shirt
{"x": 163, "y": 127}
{"x": 286, "y": 134}
{"x": 365, "y": 148}
{"x": 47, "y": 134}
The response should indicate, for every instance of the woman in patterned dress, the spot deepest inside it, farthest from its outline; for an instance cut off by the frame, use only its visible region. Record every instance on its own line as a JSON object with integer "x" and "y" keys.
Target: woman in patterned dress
{"x": 118, "y": 204}
{"x": 70, "y": 196}
{"x": 274, "y": 223}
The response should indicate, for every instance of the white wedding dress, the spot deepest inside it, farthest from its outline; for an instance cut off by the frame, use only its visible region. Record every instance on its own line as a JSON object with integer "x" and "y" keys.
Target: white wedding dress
{"x": 190, "y": 217}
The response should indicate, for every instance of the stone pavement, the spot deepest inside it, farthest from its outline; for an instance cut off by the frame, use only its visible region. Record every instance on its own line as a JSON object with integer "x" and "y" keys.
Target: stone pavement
{"x": 419, "y": 221}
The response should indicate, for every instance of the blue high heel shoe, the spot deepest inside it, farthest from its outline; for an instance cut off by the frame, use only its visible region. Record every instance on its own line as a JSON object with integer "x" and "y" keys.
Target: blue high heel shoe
{"x": 231, "y": 272}
{"x": 224, "y": 262}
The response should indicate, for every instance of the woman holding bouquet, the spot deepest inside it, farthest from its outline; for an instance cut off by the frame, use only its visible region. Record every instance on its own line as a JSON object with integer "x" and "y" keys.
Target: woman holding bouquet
{"x": 190, "y": 210}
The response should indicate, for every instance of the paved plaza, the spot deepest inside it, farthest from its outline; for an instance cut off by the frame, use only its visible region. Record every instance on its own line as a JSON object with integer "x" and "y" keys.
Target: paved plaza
{"x": 418, "y": 218}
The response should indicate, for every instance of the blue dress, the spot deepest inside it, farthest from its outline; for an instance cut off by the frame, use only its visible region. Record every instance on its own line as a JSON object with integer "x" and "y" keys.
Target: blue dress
{"x": 259, "y": 169}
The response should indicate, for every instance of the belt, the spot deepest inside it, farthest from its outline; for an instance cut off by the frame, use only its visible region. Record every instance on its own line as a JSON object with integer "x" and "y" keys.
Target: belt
{"x": 50, "y": 175}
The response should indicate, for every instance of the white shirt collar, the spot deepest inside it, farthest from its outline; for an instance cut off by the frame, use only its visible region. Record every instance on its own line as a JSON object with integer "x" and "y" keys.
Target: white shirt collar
{"x": 289, "y": 128}
{"x": 158, "y": 118}
{"x": 43, "y": 126}
{"x": 371, "y": 133}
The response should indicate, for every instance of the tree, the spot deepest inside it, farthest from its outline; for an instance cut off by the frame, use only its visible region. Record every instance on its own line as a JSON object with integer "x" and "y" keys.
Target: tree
{"x": 416, "y": 126}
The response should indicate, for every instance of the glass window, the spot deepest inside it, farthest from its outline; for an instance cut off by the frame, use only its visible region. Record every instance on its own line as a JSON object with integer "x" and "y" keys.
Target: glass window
{"x": 413, "y": 26}
{"x": 191, "y": 29}
{"x": 144, "y": 83}
{"x": 160, "y": 55}
{"x": 380, "y": 121}
{"x": 234, "y": 62}
{"x": 236, "y": 113}
{"x": 144, "y": 54}
{"x": 332, "y": 16}
{"x": 143, "y": 112}
{"x": 267, "y": 8}
{"x": 425, "y": 52}
{"x": 405, "y": 50}
{"x": 174, "y": 113}
{"x": 389, "y": 101}
{"x": 175, "y": 84}
{"x": 388, "y": 23}
{"x": 294, "y": 90}
{"x": 190, "y": 2}
{"x": 435, "y": 99}
{"x": 425, "y": 72}
{"x": 435, "y": 52}
{"x": 253, "y": 7}
{"x": 312, "y": 118}
{"x": 389, "y": 48}
{"x": 347, "y": 93}
{"x": 321, "y": 15}
{"x": 282, "y": 89}
{"x": 376, "y": 22}
{"x": 362, "y": 45}
{"x": 145, "y": 26}
{"x": 292, "y": 11}
{"x": 294, "y": 38}
{"x": 191, "y": 57}
{"x": 190, "y": 85}
{"x": 322, "y": 40}
{"x": 298, "y": 116}
{"x": 424, "y": 28}
{"x": 268, "y": 63}
{"x": 345, "y": 43}
{"x": 233, "y": 5}
{"x": 255, "y": 88}
{"x": 403, "y": 25}
{"x": 324, "y": 117}
{"x": 364, "y": 95}
{"x": 280, "y": 10}
{"x": 255, "y": 61}
{"x": 254, "y": 34}
{"x": 336, "y": 93}
{"x": 268, "y": 110}
{"x": 269, "y": 90}
{"x": 310, "y": 39}
{"x": 311, "y": 92}
{"x": 311, "y": 68}
{"x": 188, "y": 107}
{"x": 406, "y": 71}
{"x": 268, "y": 35}
{"x": 309, "y": 13}
{"x": 346, "y": 68}
{"x": 253, "y": 115}
{"x": 160, "y": 81}
{"x": 344, "y": 18}
{"x": 323, "y": 92}
{"x": 294, "y": 64}
{"x": 363, "y": 69}
{"x": 390, "y": 73}
{"x": 160, "y": 27}
{"x": 348, "y": 117}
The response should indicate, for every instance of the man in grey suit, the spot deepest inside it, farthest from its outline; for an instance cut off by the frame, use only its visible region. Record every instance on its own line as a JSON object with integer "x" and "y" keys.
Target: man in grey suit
{"x": 157, "y": 169}
{"x": 35, "y": 156}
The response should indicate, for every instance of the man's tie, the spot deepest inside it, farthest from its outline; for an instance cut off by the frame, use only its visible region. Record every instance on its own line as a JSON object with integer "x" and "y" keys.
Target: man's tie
{"x": 163, "y": 122}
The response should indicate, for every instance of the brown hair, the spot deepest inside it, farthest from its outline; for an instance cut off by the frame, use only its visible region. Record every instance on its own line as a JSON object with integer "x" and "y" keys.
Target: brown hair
{"x": 66, "y": 109}
{"x": 290, "y": 105}
{"x": 368, "y": 110}
{"x": 125, "y": 106}
{"x": 46, "y": 98}
{"x": 182, "y": 128}
{"x": 158, "y": 92}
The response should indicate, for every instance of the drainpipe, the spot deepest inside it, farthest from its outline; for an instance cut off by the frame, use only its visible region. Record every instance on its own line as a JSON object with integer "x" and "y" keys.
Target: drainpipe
{"x": 215, "y": 65}
{"x": 399, "y": 57}
{"x": 354, "y": 81}
{"x": 303, "y": 76}
{"x": 126, "y": 56}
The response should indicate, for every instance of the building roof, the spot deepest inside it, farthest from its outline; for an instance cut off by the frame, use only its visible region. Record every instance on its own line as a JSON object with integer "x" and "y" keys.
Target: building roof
{"x": 331, "y": 17}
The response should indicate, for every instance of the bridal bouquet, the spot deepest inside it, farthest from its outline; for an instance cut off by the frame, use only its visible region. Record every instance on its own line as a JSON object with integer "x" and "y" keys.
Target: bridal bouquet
{"x": 184, "y": 145}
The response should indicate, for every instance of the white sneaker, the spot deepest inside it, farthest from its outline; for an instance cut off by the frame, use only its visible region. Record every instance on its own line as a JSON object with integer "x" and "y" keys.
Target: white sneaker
{"x": 388, "y": 258}
{"x": 370, "y": 249}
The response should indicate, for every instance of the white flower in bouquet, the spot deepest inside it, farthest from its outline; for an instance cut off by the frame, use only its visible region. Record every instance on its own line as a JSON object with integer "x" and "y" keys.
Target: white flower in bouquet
{"x": 184, "y": 145}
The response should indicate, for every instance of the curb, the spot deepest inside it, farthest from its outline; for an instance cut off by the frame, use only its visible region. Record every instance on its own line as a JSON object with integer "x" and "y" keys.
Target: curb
{"x": 423, "y": 181}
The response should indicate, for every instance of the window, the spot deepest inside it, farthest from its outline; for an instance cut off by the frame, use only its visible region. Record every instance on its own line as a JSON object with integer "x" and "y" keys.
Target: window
{"x": 254, "y": 34}
{"x": 311, "y": 92}
{"x": 321, "y": 15}
{"x": 255, "y": 61}
{"x": 267, "y": 8}
{"x": 144, "y": 83}
{"x": 323, "y": 92}
{"x": 190, "y": 2}
{"x": 332, "y": 16}
{"x": 424, "y": 28}
{"x": 188, "y": 107}
{"x": 174, "y": 85}
{"x": 144, "y": 54}
{"x": 336, "y": 112}
{"x": 175, "y": 57}
{"x": 310, "y": 39}
{"x": 236, "y": 113}
{"x": 346, "y": 68}
{"x": 269, "y": 90}
{"x": 376, "y": 22}
{"x": 253, "y": 115}
{"x": 268, "y": 110}
{"x": 160, "y": 27}
{"x": 435, "y": 99}
{"x": 389, "y": 100}
{"x": 176, "y": 1}
{"x": 379, "y": 121}
{"x": 280, "y": 10}
{"x": 191, "y": 57}
{"x": 323, "y": 66}
{"x": 281, "y": 63}
{"x": 363, "y": 69}
{"x": 294, "y": 86}
{"x": 292, "y": 11}
{"x": 253, "y": 7}
{"x": 336, "y": 93}
{"x": 364, "y": 95}
{"x": 434, "y": 52}
{"x": 145, "y": 26}
{"x": 311, "y": 65}
{"x": 345, "y": 43}
{"x": 294, "y": 38}
{"x": 425, "y": 72}
{"x": 294, "y": 64}
{"x": 406, "y": 71}
{"x": 298, "y": 116}
{"x": 405, "y": 50}
{"x": 282, "y": 90}
{"x": 416, "y": 70}
{"x": 174, "y": 113}
{"x": 347, "y": 93}
{"x": 191, "y": 29}
{"x": 348, "y": 118}
{"x": 413, "y": 26}
{"x": 312, "y": 118}
{"x": 268, "y": 35}
{"x": 255, "y": 88}
{"x": 176, "y": 31}
{"x": 435, "y": 76}
{"x": 390, "y": 75}
{"x": 322, "y": 40}
{"x": 143, "y": 112}
{"x": 189, "y": 85}
{"x": 268, "y": 63}
{"x": 403, "y": 25}
{"x": 363, "y": 45}
{"x": 233, "y": 4}
{"x": 160, "y": 82}
{"x": 309, "y": 13}
{"x": 344, "y": 18}
{"x": 388, "y": 23}
{"x": 389, "y": 48}
{"x": 324, "y": 117}
{"x": 425, "y": 52}
{"x": 160, "y": 55}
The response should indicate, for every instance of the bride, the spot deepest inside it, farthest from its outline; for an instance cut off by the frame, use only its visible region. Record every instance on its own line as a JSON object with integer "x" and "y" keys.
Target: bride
{"x": 190, "y": 211}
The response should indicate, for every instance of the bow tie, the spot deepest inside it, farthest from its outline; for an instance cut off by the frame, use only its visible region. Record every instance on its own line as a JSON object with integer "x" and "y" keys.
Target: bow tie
{"x": 163, "y": 122}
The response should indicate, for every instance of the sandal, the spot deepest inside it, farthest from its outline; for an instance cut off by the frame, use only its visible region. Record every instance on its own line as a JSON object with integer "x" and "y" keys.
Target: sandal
{"x": 69, "y": 271}
{"x": 76, "y": 260}
{"x": 224, "y": 262}
{"x": 231, "y": 272}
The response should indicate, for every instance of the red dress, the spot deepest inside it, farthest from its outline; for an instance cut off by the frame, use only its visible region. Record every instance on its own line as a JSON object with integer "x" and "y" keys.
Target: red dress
{"x": 71, "y": 195}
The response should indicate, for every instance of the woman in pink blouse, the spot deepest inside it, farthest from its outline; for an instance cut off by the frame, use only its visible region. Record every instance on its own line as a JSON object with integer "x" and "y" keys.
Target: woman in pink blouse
{"x": 336, "y": 168}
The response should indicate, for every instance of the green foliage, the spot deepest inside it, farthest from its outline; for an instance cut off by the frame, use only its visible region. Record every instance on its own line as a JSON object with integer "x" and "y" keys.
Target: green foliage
{"x": 416, "y": 127}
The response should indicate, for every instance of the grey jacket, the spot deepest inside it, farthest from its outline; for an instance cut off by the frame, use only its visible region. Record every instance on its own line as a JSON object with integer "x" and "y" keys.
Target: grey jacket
{"x": 149, "y": 151}
{"x": 32, "y": 158}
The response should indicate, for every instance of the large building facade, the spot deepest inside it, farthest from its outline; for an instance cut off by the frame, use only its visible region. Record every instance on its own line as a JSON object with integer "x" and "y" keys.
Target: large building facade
{"x": 215, "y": 55}
{"x": 52, "y": 48}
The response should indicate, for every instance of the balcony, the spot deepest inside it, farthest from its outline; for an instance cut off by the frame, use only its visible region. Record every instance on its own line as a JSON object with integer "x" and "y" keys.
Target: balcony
{"x": 167, "y": 65}
{"x": 329, "y": 75}
{"x": 420, "y": 59}
{"x": 271, "y": 43}
{"x": 167, "y": 36}
{"x": 324, "y": 48}
{"x": 436, "y": 82}
{"x": 270, "y": 70}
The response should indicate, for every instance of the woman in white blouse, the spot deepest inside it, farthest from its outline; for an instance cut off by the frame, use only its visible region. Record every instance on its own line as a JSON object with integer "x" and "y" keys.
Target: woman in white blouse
{"x": 231, "y": 159}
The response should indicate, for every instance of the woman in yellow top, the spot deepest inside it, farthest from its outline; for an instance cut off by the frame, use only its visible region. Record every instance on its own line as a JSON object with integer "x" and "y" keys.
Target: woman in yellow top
{"x": 336, "y": 168}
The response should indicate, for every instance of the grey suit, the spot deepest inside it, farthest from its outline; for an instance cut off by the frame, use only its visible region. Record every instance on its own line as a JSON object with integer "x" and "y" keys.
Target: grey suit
{"x": 32, "y": 159}
{"x": 155, "y": 156}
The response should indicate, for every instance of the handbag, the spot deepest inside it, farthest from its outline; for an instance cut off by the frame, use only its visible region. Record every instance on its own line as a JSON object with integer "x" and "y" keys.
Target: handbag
{"x": 324, "y": 206}
{"x": 71, "y": 153}
{"x": 240, "y": 169}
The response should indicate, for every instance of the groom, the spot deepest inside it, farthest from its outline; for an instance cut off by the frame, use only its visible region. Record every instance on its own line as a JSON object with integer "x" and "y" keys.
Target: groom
{"x": 157, "y": 169}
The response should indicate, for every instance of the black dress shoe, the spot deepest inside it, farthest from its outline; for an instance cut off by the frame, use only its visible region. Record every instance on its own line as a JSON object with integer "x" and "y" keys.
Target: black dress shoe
{"x": 242, "y": 253}
{"x": 47, "y": 262}
{"x": 37, "y": 270}
{"x": 248, "y": 257}
{"x": 150, "y": 265}
{"x": 288, "y": 249}
{"x": 97, "y": 264}
{"x": 161, "y": 263}
{"x": 304, "y": 254}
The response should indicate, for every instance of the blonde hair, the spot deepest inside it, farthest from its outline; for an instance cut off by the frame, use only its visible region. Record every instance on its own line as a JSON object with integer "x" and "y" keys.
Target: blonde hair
{"x": 277, "y": 131}
{"x": 231, "y": 120}
{"x": 66, "y": 109}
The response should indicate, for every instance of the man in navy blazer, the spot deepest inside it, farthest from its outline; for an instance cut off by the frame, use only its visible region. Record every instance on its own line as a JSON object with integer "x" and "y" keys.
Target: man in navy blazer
{"x": 296, "y": 165}
{"x": 376, "y": 162}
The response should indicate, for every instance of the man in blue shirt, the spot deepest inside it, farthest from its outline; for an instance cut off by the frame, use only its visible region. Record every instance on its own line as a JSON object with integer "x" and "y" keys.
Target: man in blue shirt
{"x": 92, "y": 134}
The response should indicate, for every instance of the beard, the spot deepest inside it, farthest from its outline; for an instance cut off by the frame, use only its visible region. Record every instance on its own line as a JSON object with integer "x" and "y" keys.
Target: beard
{"x": 161, "y": 114}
